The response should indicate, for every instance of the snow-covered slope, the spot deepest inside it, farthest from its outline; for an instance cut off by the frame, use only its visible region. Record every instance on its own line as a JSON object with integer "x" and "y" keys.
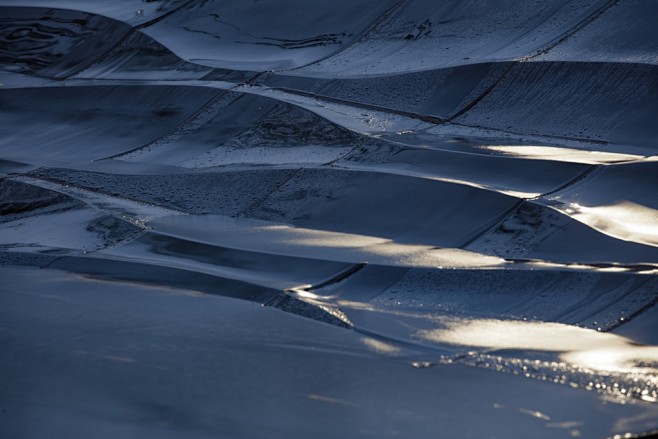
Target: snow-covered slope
{"x": 300, "y": 218}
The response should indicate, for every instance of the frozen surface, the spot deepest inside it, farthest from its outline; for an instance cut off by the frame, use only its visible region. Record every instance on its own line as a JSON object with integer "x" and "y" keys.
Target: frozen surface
{"x": 291, "y": 218}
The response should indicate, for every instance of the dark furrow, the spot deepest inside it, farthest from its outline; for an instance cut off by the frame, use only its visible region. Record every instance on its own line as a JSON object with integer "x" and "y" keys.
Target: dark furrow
{"x": 124, "y": 40}
{"x": 424, "y": 118}
{"x": 184, "y": 127}
{"x": 339, "y": 277}
{"x": 290, "y": 304}
{"x": 35, "y": 176}
{"x": 482, "y": 95}
{"x": 503, "y": 216}
{"x": 109, "y": 52}
{"x": 164, "y": 16}
{"x": 633, "y": 315}
{"x": 571, "y": 32}
{"x": 545, "y": 136}
{"x": 188, "y": 125}
{"x": 590, "y": 265}
{"x": 258, "y": 78}
{"x": 593, "y": 312}
{"x": 245, "y": 212}
{"x": 571, "y": 182}
{"x": 565, "y": 36}
{"x": 387, "y": 15}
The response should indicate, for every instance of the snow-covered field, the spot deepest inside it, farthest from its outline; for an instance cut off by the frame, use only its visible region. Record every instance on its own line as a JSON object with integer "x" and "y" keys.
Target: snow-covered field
{"x": 312, "y": 219}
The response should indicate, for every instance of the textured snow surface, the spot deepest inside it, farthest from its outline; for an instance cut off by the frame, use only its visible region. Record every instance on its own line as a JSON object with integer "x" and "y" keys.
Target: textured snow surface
{"x": 300, "y": 218}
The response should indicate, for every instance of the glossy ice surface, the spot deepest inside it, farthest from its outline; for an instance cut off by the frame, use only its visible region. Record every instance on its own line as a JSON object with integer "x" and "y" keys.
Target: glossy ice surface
{"x": 300, "y": 218}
